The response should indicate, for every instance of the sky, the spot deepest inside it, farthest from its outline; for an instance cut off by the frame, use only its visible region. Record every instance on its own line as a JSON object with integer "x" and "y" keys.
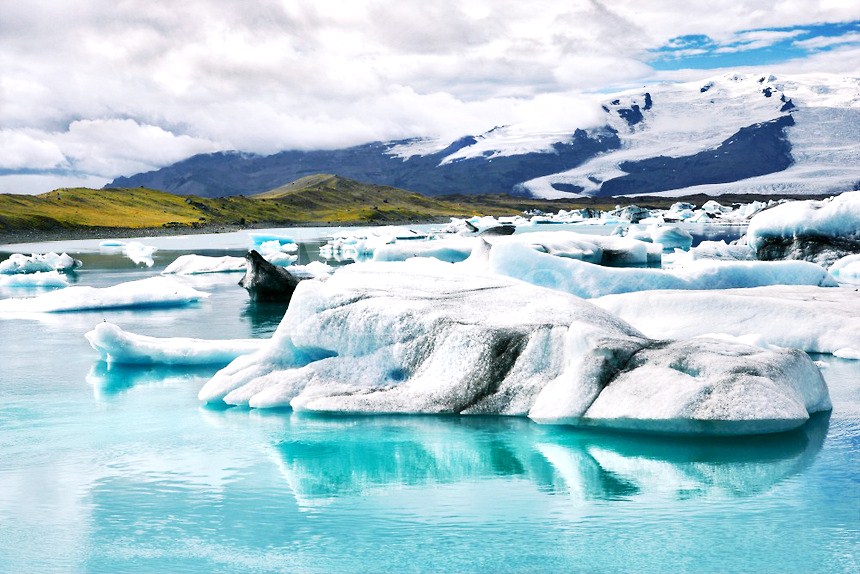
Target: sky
{"x": 94, "y": 89}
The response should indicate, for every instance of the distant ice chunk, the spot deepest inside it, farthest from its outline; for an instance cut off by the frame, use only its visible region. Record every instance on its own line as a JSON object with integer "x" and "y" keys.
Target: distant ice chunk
{"x": 51, "y": 279}
{"x": 450, "y": 249}
{"x": 139, "y": 253}
{"x": 152, "y": 292}
{"x": 847, "y": 269}
{"x": 197, "y": 264}
{"x": 38, "y": 263}
{"x": 719, "y": 250}
{"x": 810, "y": 318}
{"x": 118, "y": 346}
{"x": 671, "y": 237}
{"x": 588, "y": 280}
{"x": 424, "y": 336}
{"x": 820, "y": 231}
{"x": 278, "y": 252}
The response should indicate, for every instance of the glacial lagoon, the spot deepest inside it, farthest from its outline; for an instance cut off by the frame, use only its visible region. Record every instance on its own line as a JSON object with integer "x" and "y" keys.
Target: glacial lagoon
{"x": 122, "y": 469}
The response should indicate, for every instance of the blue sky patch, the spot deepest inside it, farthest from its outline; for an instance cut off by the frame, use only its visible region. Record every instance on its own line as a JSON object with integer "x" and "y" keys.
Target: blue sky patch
{"x": 754, "y": 47}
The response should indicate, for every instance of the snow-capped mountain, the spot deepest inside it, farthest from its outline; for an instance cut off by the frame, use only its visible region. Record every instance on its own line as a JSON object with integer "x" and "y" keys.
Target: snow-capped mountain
{"x": 736, "y": 133}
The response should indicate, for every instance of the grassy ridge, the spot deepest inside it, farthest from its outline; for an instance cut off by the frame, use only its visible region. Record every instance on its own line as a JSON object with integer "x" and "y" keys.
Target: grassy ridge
{"x": 314, "y": 199}
{"x": 322, "y": 199}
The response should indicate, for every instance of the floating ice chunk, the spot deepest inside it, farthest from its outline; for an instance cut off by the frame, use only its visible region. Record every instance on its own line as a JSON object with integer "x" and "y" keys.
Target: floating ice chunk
{"x": 197, "y": 264}
{"x": 452, "y": 249}
{"x": 258, "y": 239}
{"x": 820, "y": 231}
{"x": 713, "y": 250}
{"x": 671, "y": 237}
{"x": 118, "y": 346}
{"x": 588, "y": 280}
{"x": 38, "y": 262}
{"x": 37, "y": 279}
{"x": 847, "y": 269}
{"x": 313, "y": 270}
{"x": 423, "y": 336}
{"x": 152, "y": 292}
{"x": 278, "y": 253}
{"x": 813, "y": 319}
{"x": 139, "y": 253}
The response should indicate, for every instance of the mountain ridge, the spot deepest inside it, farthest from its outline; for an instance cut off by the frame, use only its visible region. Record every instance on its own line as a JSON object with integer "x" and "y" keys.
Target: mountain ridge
{"x": 734, "y": 133}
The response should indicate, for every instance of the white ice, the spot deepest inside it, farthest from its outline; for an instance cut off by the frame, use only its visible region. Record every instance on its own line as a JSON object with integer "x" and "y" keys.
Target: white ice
{"x": 139, "y": 253}
{"x": 118, "y": 346}
{"x": 814, "y": 319}
{"x": 588, "y": 280}
{"x": 38, "y": 262}
{"x": 151, "y": 292}
{"x": 423, "y": 336}
{"x": 836, "y": 217}
{"x": 37, "y": 279}
{"x": 847, "y": 269}
{"x": 198, "y": 264}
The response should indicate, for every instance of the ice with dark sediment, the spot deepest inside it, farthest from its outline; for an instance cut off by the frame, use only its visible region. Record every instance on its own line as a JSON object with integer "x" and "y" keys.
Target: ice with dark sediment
{"x": 424, "y": 336}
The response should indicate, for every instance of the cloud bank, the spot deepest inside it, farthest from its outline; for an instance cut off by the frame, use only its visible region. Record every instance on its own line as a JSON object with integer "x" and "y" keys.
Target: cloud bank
{"x": 95, "y": 89}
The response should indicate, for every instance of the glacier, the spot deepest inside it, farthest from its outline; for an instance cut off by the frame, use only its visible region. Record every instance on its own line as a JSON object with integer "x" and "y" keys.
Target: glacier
{"x": 118, "y": 346}
{"x": 424, "y": 336}
{"x": 151, "y": 292}
{"x": 814, "y": 319}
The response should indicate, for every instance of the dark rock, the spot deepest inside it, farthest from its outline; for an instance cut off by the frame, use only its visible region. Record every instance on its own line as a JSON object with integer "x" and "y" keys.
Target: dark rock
{"x": 768, "y": 92}
{"x": 266, "y": 282}
{"x": 706, "y": 87}
{"x": 567, "y": 187}
{"x": 631, "y": 115}
{"x": 648, "y": 102}
{"x": 499, "y": 230}
{"x": 821, "y": 249}
{"x": 787, "y": 106}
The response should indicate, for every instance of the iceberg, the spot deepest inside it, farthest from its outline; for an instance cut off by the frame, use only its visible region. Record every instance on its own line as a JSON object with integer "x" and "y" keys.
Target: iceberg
{"x": 151, "y": 292}
{"x": 819, "y": 231}
{"x": 588, "y": 280}
{"x": 814, "y": 319}
{"x": 423, "y": 336}
{"x": 199, "y": 264}
{"x": 846, "y": 269}
{"x": 52, "y": 279}
{"x": 452, "y": 249}
{"x": 712, "y": 250}
{"x": 118, "y": 346}
{"x": 139, "y": 253}
{"x": 18, "y": 263}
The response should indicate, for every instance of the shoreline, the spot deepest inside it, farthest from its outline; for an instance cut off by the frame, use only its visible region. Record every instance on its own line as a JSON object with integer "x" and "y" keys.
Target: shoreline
{"x": 27, "y": 236}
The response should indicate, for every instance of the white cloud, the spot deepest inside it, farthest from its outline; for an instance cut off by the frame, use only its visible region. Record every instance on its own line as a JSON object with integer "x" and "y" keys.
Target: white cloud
{"x": 122, "y": 87}
{"x": 820, "y": 42}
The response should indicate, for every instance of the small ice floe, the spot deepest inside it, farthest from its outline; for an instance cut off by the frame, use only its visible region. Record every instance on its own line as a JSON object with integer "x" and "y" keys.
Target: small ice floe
{"x": 846, "y": 269}
{"x": 200, "y": 264}
{"x": 277, "y": 253}
{"x": 814, "y": 319}
{"x": 50, "y": 279}
{"x": 145, "y": 293}
{"x": 423, "y": 336}
{"x": 139, "y": 253}
{"x": 18, "y": 263}
{"x": 118, "y": 346}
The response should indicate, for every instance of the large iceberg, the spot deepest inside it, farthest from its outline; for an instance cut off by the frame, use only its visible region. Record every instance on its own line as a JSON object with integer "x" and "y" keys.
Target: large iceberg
{"x": 820, "y": 231}
{"x": 118, "y": 346}
{"x": 588, "y": 280}
{"x": 428, "y": 337}
{"x": 811, "y": 318}
{"x": 152, "y": 292}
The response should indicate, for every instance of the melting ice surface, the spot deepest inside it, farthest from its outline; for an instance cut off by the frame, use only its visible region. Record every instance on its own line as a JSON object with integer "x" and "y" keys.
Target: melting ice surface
{"x": 111, "y": 467}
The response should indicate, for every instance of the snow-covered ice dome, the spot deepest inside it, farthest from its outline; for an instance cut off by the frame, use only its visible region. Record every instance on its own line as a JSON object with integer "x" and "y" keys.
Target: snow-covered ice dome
{"x": 423, "y": 336}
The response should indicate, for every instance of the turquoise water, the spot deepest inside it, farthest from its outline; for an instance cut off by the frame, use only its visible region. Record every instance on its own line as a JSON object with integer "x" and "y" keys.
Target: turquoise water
{"x": 123, "y": 470}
